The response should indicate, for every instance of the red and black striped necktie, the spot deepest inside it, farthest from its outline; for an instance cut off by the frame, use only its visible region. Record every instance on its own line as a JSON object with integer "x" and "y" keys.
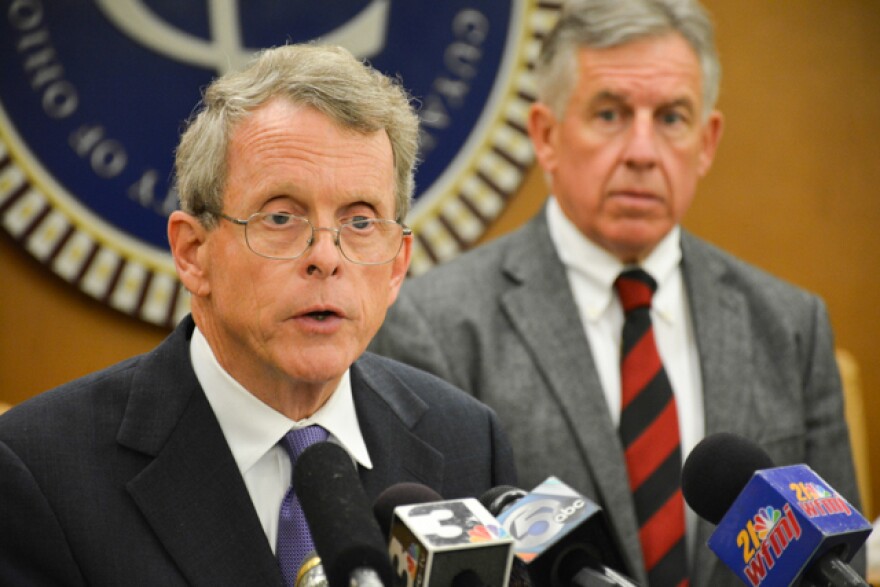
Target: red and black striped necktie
{"x": 649, "y": 433}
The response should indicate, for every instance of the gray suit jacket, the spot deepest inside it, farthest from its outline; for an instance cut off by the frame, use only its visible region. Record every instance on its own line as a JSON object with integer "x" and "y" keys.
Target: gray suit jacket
{"x": 124, "y": 477}
{"x": 501, "y": 323}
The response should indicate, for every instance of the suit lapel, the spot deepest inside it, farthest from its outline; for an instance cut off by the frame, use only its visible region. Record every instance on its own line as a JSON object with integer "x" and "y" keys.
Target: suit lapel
{"x": 541, "y": 309}
{"x": 723, "y": 338}
{"x": 192, "y": 493}
{"x": 724, "y": 342}
{"x": 387, "y": 411}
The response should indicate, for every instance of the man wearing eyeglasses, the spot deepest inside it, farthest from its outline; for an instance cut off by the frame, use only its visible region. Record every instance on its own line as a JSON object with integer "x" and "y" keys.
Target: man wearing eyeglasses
{"x": 173, "y": 468}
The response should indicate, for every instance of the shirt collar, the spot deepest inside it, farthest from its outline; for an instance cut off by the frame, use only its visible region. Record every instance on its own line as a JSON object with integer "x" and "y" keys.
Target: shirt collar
{"x": 599, "y": 268}
{"x": 252, "y": 428}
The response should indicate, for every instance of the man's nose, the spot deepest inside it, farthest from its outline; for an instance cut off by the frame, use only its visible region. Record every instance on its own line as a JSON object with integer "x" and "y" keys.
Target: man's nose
{"x": 323, "y": 257}
{"x": 641, "y": 146}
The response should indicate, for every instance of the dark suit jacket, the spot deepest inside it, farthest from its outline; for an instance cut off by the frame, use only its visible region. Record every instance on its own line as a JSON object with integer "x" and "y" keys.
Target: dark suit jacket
{"x": 124, "y": 477}
{"x": 501, "y": 323}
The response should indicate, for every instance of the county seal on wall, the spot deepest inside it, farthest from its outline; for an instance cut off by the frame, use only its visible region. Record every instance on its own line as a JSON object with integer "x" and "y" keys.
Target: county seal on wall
{"x": 94, "y": 95}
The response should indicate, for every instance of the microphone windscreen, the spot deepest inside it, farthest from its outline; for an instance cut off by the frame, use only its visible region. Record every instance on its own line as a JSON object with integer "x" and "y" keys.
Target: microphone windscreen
{"x": 499, "y": 498}
{"x": 398, "y": 495}
{"x": 339, "y": 515}
{"x": 717, "y": 470}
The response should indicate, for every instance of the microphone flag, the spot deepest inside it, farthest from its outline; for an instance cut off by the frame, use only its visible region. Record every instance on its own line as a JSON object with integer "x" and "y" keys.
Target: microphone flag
{"x": 432, "y": 543}
{"x": 558, "y": 531}
{"x": 784, "y": 519}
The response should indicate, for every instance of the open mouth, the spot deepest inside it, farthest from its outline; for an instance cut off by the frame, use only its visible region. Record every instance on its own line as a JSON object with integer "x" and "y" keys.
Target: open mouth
{"x": 321, "y": 315}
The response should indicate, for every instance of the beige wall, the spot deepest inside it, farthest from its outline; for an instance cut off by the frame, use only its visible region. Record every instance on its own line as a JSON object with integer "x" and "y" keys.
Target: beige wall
{"x": 794, "y": 190}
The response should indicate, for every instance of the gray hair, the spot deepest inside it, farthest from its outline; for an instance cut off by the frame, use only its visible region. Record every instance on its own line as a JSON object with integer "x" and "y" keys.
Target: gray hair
{"x": 326, "y": 78}
{"x": 601, "y": 24}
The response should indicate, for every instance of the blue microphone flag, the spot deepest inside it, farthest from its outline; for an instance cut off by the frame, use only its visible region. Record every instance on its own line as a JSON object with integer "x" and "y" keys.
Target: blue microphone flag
{"x": 784, "y": 519}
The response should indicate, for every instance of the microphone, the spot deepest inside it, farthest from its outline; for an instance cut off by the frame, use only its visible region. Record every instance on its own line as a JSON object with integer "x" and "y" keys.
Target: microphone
{"x": 562, "y": 536}
{"x": 397, "y": 495}
{"x": 341, "y": 521}
{"x": 775, "y": 526}
{"x": 440, "y": 543}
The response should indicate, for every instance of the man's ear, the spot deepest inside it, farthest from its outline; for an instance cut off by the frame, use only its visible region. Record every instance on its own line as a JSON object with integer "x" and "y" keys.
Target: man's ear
{"x": 712, "y": 131}
{"x": 187, "y": 238}
{"x": 543, "y": 128}
{"x": 399, "y": 267}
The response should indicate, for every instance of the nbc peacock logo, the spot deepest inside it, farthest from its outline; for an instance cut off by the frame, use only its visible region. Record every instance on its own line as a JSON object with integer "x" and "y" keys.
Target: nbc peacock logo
{"x": 765, "y": 539}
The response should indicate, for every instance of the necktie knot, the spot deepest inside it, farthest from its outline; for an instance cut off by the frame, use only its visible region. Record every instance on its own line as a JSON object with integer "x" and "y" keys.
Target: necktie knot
{"x": 299, "y": 439}
{"x": 635, "y": 288}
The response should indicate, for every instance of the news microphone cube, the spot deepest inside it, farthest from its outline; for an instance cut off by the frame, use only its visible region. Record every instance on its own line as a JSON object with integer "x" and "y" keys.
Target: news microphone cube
{"x": 432, "y": 543}
{"x": 784, "y": 519}
{"x": 555, "y": 525}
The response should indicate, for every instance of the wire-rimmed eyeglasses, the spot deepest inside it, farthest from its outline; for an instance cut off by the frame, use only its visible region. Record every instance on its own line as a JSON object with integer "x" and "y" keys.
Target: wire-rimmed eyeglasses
{"x": 284, "y": 236}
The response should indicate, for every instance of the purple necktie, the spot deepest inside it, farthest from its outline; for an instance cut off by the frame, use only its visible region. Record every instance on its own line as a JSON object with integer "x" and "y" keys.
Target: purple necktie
{"x": 294, "y": 538}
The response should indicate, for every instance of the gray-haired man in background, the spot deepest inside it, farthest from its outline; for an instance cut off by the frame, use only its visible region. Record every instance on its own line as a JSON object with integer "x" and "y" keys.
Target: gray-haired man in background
{"x": 537, "y": 323}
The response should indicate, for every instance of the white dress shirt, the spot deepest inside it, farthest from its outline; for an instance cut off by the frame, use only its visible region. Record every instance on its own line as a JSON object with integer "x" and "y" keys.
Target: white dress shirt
{"x": 591, "y": 273}
{"x": 253, "y": 431}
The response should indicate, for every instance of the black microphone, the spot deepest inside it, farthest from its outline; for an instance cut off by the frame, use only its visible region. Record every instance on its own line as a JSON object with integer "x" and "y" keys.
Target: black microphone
{"x": 776, "y": 526}
{"x": 340, "y": 518}
{"x": 497, "y": 500}
{"x": 562, "y": 536}
{"x": 442, "y": 543}
{"x": 397, "y": 495}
